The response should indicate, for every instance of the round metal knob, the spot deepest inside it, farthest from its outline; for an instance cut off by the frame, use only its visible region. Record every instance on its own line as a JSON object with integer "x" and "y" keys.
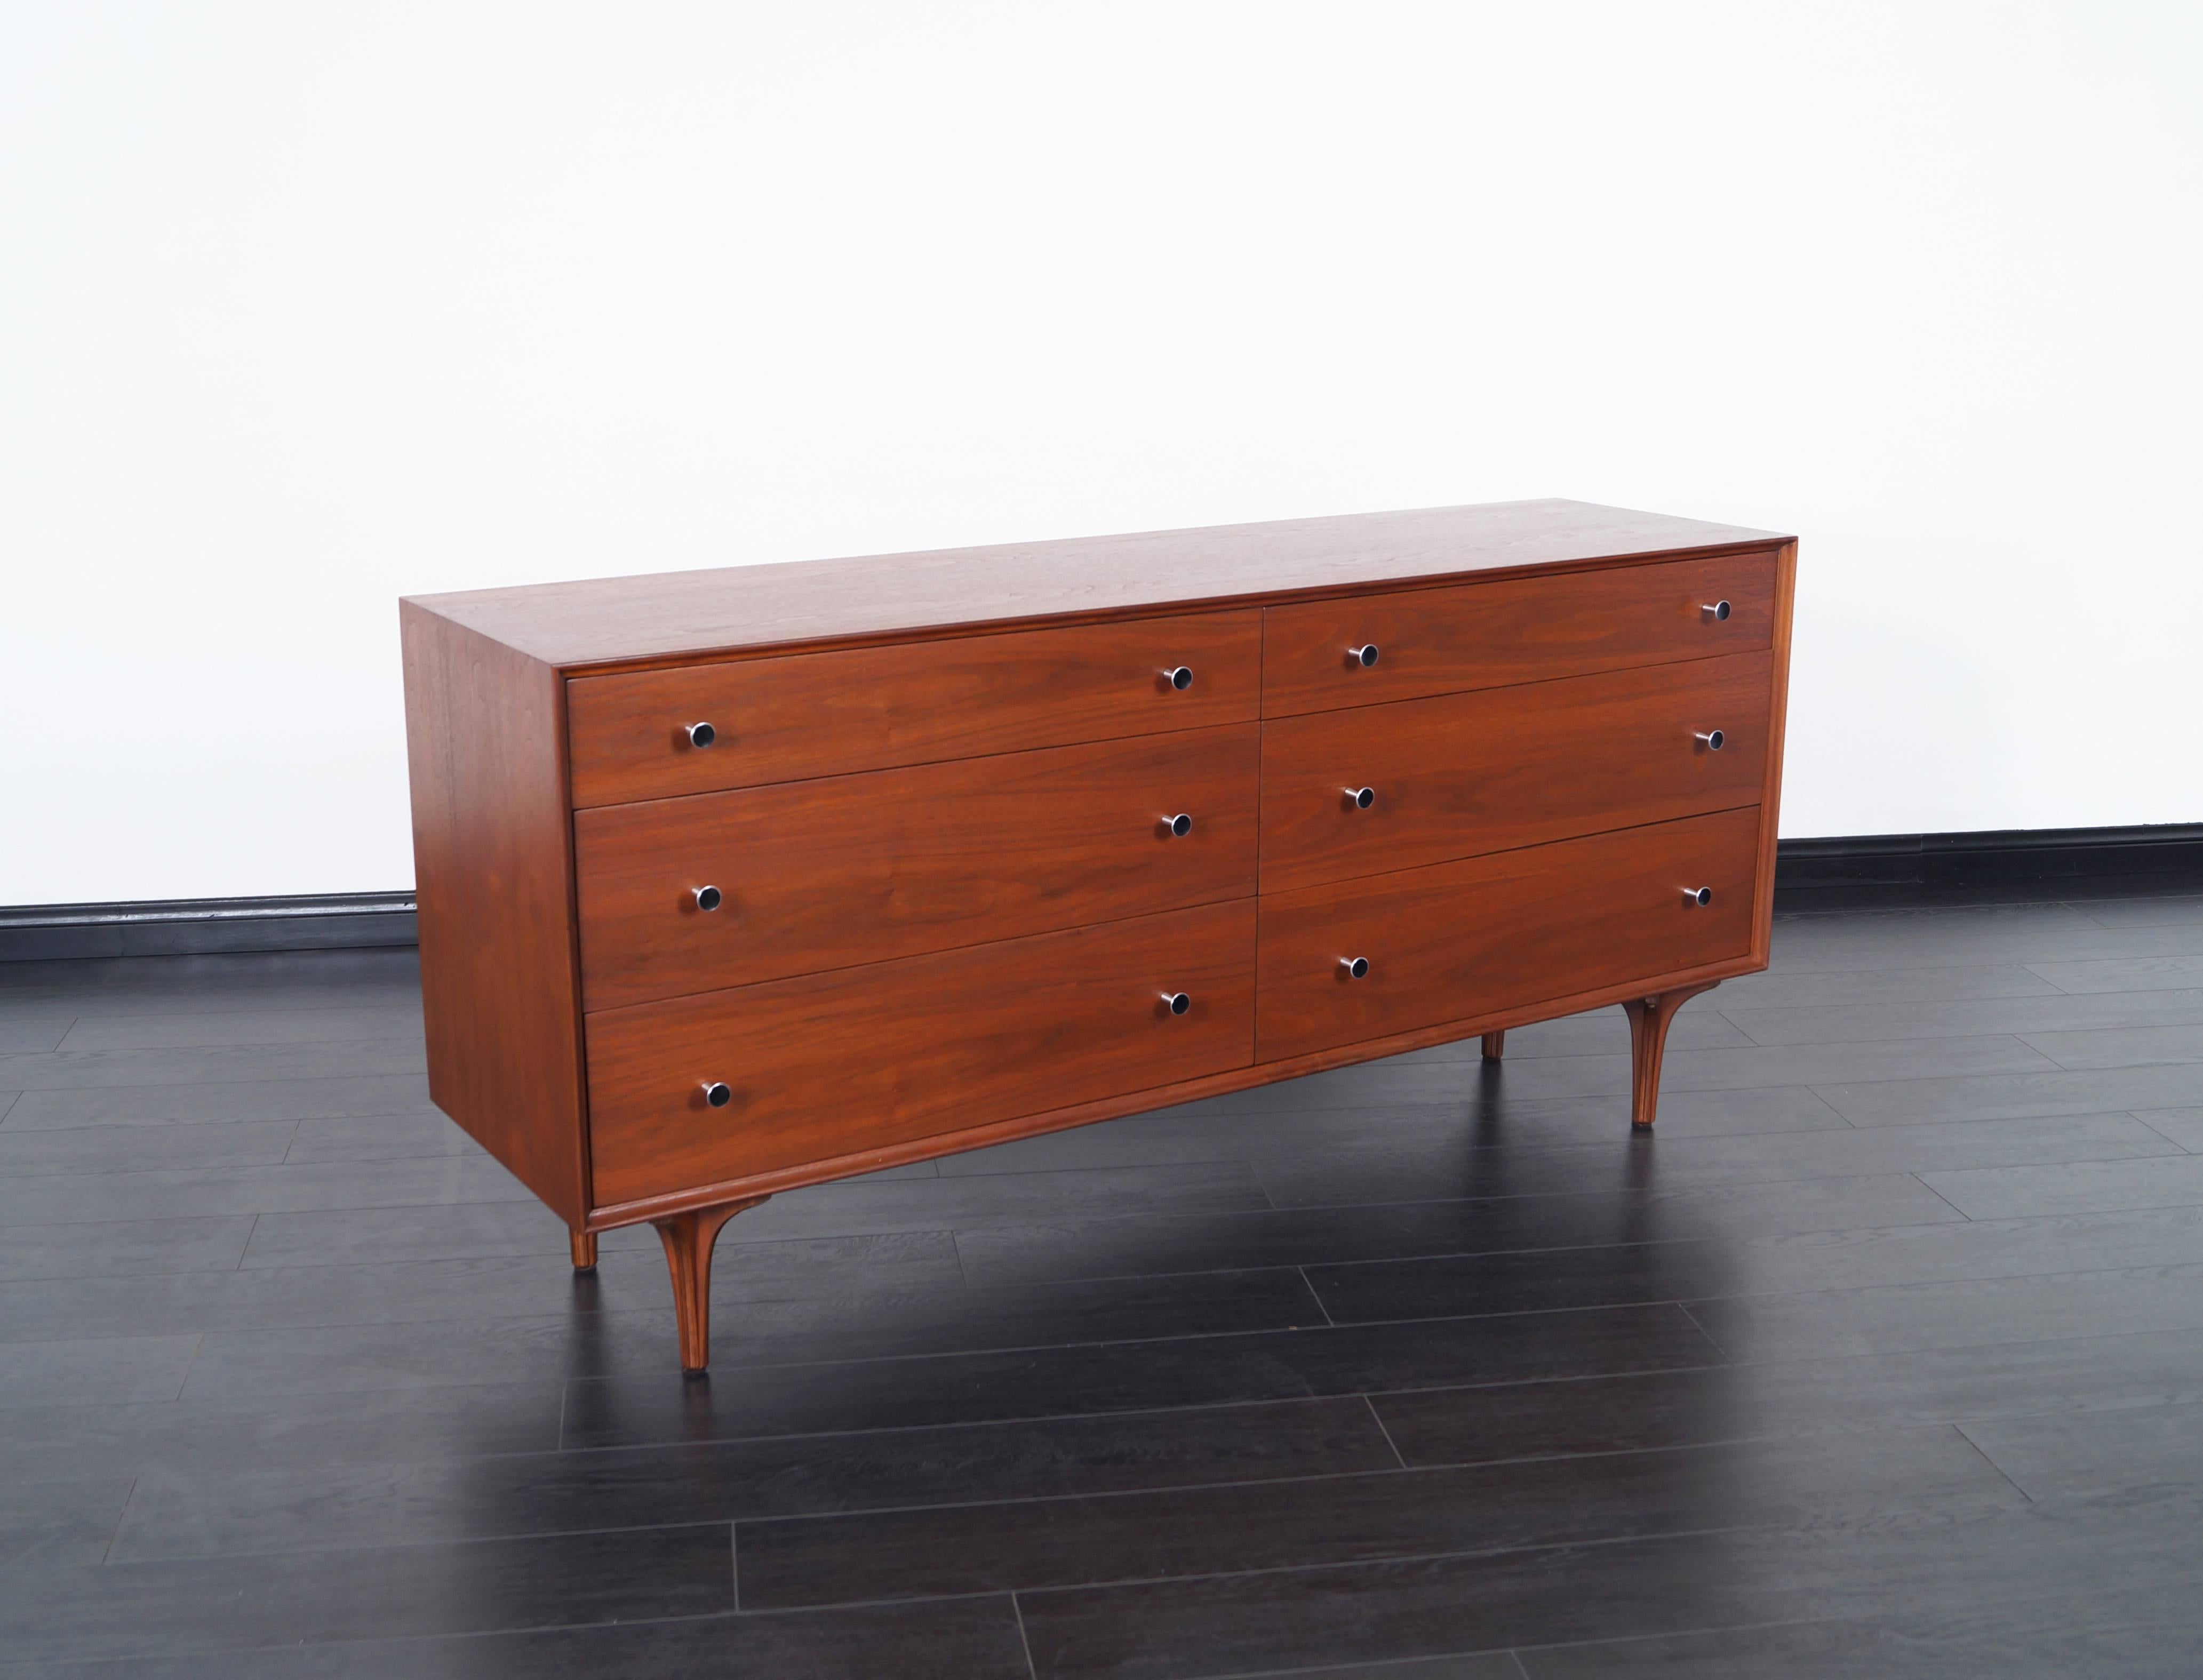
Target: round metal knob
{"x": 1710, "y": 740}
{"x": 1716, "y": 610}
{"x": 708, "y": 898}
{"x": 699, "y": 734}
{"x": 1181, "y": 825}
{"x": 1361, "y": 797}
{"x": 1177, "y": 1002}
{"x": 1179, "y": 677}
{"x": 1364, "y": 655}
{"x": 1355, "y": 967}
{"x": 1698, "y": 895}
{"x": 716, "y": 1093}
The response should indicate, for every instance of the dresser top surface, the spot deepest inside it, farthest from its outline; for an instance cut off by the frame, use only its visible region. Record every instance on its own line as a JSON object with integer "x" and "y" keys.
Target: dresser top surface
{"x": 736, "y": 608}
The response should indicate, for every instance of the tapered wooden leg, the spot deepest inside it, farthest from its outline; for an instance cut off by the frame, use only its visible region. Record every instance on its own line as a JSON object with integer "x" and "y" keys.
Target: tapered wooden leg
{"x": 585, "y": 1250}
{"x": 1495, "y": 1046}
{"x": 1648, "y": 1021}
{"x": 689, "y": 1239}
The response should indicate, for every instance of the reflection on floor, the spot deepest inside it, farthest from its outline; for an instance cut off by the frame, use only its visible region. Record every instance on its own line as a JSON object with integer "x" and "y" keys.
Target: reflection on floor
{"x": 1885, "y": 1356}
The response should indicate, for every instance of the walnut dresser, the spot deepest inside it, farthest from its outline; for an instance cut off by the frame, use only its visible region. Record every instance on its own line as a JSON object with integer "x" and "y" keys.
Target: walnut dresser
{"x": 732, "y": 882}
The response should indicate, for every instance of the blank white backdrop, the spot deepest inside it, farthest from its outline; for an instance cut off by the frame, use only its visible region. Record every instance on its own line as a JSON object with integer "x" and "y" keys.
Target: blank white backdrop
{"x": 306, "y": 307}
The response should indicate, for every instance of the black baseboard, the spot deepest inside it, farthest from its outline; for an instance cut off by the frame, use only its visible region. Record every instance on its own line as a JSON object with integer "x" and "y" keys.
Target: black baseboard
{"x": 2008, "y": 864}
{"x": 1860, "y": 870}
{"x": 206, "y": 927}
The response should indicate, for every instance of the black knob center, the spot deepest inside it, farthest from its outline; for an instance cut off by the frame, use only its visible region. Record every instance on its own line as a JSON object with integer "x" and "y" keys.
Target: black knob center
{"x": 718, "y": 1095}
{"x": 1181, "y": 825}
{"x": 1182, "y": 677}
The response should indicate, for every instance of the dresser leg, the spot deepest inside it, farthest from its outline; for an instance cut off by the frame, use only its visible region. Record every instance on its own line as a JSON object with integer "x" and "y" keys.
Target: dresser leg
{"x": 689, "y": 1239}
{"x": 1648, "y": 1021}
{"x": 585, "y": 1250}
{"x": 1495, "y": 1046}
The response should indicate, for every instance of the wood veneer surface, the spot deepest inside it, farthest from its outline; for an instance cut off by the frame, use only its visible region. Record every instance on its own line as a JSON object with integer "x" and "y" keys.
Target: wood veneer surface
{"x": 1466, "y": 940}
{"x": 849, "y": 869}
{"x": 1491, "y": 634}
{"x": 664, "y": 614}
{"x": 485, "y": 740}
{"x": 911, "y": 703}
{"x": 825, "y": 1064}
{"x": 1498, "y": 769}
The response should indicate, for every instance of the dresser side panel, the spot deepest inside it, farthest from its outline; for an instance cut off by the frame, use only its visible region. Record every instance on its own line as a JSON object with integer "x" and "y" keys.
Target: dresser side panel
{"x": 1771, "y": 801}
{"x": 485, "y": 731}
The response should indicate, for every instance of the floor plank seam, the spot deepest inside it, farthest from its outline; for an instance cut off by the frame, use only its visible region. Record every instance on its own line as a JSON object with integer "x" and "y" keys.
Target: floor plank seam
{"x": 2142, "y": 1116}
{"x": 1377, "y": 1418}
{"x": 1308, "y": 1284}
{"x": 190, "y": 1365}
{"x": 1025, "y": 1640}
{"x": 1712, "y": 1341}
{"x": 1387, "y": 1561}
{"x": 121, "y": 1516}
{"x": 1991, "y": 1462}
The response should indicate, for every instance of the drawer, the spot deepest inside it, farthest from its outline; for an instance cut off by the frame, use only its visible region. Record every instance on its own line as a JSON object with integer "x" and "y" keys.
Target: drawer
{"x": 1459, "y": 941}
{"x": 860, "y": 869}
{"x": 1458, "y": 775}
{"x": 1486, "y": 635}
{"x": 913, "y": 703}
{"x": 831, "y": 1064}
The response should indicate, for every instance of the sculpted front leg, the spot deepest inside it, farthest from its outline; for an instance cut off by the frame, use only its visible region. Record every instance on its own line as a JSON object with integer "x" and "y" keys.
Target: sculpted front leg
{"x": 1648, "y": 1021}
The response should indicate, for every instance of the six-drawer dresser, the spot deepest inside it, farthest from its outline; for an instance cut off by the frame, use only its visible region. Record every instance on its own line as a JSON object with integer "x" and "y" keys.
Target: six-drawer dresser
{"x": 732, "y": 882}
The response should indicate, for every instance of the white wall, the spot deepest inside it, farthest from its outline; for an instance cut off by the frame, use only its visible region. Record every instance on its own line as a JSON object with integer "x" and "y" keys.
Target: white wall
{"x": 305, "y": 307}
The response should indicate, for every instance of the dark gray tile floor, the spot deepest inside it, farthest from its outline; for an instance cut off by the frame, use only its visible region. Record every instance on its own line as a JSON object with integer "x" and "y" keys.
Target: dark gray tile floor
{"x": 1885, "y": 1356}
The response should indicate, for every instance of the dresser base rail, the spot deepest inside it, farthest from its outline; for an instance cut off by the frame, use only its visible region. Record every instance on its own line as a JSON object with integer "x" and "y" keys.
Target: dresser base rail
{"x": 650, "y": 1209}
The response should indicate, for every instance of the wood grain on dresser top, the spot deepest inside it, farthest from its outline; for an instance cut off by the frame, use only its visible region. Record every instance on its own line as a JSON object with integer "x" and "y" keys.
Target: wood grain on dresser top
{"x": 672, "y": 616}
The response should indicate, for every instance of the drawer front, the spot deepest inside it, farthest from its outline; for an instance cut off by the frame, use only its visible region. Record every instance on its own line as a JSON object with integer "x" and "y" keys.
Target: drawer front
{"x": 861, "y": 868}
{"x": 1461, "y": 940}
{"x": 830, "y": 1064}
{"x": 1458, "y": 774}
{"x": 1486, "y": 635}
{"x": 913, "y": 703}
